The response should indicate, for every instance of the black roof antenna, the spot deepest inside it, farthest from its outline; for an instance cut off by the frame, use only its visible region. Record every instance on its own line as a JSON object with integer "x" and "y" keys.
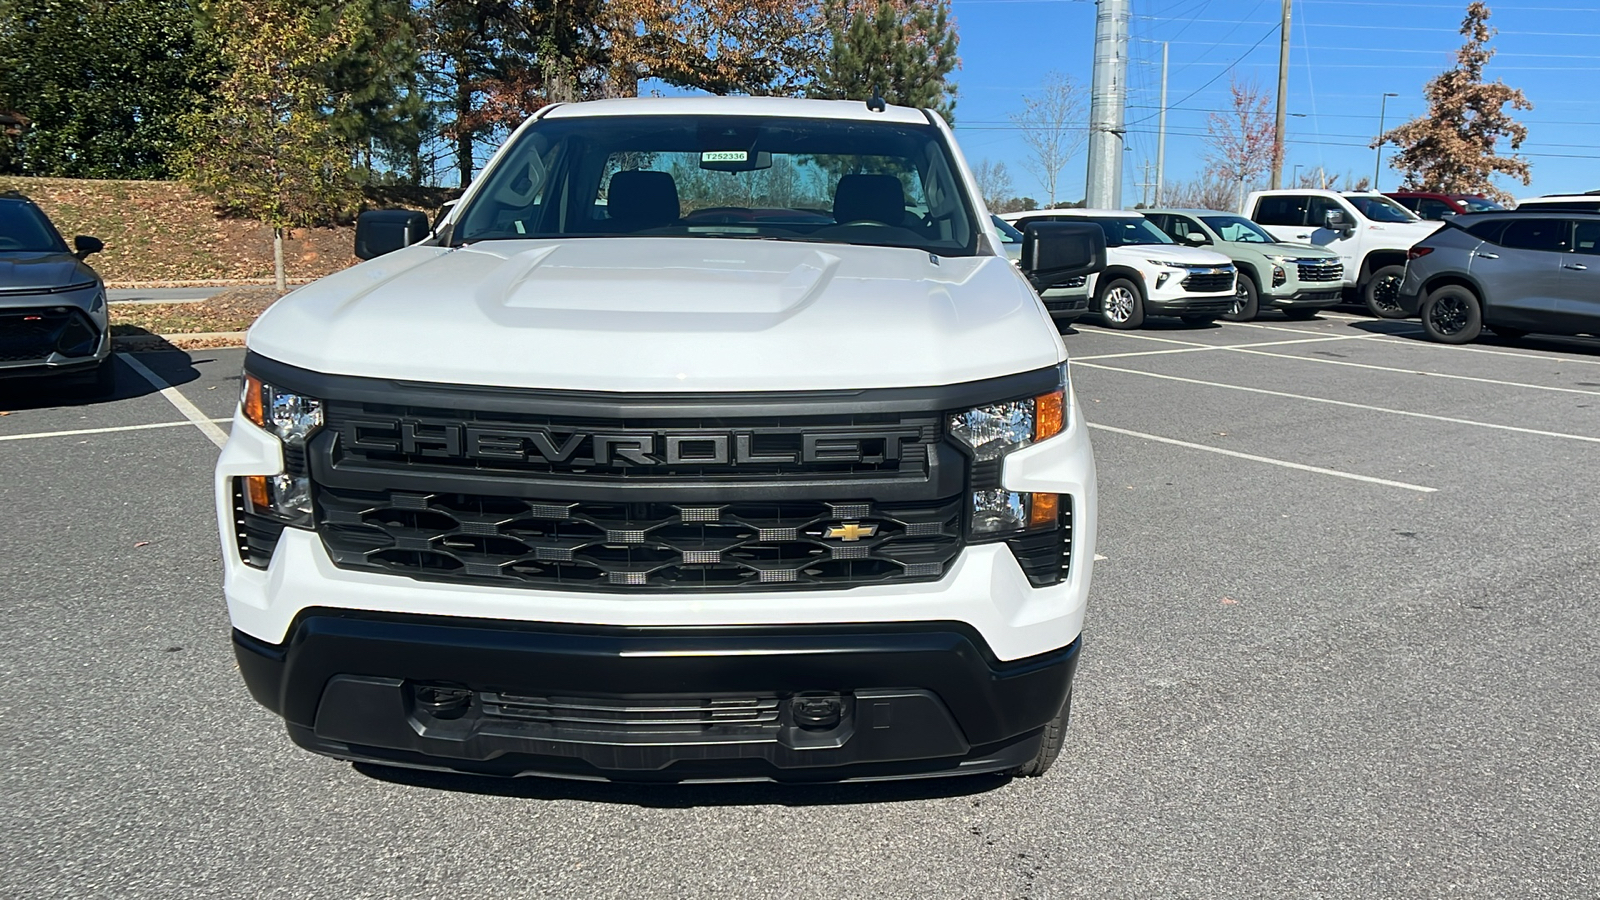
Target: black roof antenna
{"x": 877, "y": 103}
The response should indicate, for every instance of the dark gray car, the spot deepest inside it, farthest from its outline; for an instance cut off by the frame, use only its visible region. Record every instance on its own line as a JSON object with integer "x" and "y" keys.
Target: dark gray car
{"x": 53, "y": 318}
{"x": 1516, "y": 272}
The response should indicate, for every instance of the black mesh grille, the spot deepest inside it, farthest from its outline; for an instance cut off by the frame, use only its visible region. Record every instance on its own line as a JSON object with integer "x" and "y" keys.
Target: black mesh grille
{"x": 637, "y": 719}
{"x": 639, "y": 546}
{"x": 414, "y": 440}
{"x": 1209, "y": 283}
{"x": 1321, "y": 271}
{"x": 35, "y": 333}
{"x": 1046, "y": 556}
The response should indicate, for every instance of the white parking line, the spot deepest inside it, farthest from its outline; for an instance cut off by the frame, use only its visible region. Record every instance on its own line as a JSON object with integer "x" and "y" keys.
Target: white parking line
{"x": 1198, "y": 347}
{"x": 1246, "y": 348}
{"x": 1346, "y": 403}
{"x": 178, "y": 400}
{"x": 1390, "y": 337}
{"x": 107, "y": 430}
{"x": 1267, "y": 459}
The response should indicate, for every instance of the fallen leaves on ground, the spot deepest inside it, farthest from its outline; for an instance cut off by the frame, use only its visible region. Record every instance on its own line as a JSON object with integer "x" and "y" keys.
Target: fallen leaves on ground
{"x": 233, "y": 310}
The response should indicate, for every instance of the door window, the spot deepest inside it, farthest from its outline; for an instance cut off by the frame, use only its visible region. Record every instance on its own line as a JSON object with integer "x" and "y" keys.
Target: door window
{"x": 1282, "y": 209}
{"x": 1318, "y": 208}
{"x": 1586, "y": 238}
{"x": 1536, "y": 234}
{"x": 1490, "y": 231}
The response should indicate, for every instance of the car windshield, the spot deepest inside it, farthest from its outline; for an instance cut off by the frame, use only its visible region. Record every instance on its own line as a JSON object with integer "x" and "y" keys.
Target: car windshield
{"x": 1131, "y": 231}
{"x": 790, "y": 179}
{"x": 1382, "y": 209}
{"x": 1008, "y": 232}
{"x": 1478, "y": 204}
{"x": 1238, "y": 230}
{"x": 24, "y": 229}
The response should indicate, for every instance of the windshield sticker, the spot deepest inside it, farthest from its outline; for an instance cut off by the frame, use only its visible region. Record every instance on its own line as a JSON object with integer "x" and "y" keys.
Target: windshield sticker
{"x": 725, "y": 156}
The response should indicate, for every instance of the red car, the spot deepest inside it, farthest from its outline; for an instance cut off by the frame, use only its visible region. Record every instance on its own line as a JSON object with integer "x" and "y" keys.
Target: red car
{"x": 1433, "y": 206}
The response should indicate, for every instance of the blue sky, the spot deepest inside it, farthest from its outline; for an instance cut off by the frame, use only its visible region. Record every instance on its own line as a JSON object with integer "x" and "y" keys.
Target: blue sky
{"x": 1345, "y": 55}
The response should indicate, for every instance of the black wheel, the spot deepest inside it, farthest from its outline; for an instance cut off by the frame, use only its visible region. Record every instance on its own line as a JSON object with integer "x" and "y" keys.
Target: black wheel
{"x": 1121, "y": 305}
{"x": 1246, "y": 301}
{"x": 1452, "y": 315}
{"x": 1198, "y": 321}
{"x": 1300, "y": 314}
{"x": 1055, "y": 737}
{"x": 1381, "y": 293}
{"x": 1510, "y": 334}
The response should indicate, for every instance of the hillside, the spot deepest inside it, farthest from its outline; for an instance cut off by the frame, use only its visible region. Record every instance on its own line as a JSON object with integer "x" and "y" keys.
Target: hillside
{"x": 158, "y": 231}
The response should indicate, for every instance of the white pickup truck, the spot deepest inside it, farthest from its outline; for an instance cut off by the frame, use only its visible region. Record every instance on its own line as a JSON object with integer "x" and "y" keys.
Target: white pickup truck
{"x": 704, "y": 438}
{"x": 1370, "y": 232}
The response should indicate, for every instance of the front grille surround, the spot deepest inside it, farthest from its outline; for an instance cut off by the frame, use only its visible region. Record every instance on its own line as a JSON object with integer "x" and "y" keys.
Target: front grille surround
{"x": 1210, "y": 281}
{"x": 34, "y": 334}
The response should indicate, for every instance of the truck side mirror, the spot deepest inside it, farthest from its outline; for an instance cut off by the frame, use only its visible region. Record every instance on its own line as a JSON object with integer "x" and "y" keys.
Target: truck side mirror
{"x": 1196, "y": 238}
{"x": 1054, "y": 253}
{"x": 1335, "y": 220}
{"x": 383, "y": 231}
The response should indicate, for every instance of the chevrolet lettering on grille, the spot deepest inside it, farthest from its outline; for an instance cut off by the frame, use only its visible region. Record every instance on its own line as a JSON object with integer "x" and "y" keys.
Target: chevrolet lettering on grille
{"x": 620, "y": 449}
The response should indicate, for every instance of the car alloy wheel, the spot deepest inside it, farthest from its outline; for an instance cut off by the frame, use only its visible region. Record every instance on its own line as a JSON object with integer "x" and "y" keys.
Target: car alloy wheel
{"x": 1118, "y": 304}
{"x": 1241, "y": 296}
{"x": 1449, "y": 315}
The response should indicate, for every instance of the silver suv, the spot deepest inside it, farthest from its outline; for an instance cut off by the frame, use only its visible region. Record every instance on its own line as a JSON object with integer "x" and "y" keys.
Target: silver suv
{"x": 1516, "y": 272}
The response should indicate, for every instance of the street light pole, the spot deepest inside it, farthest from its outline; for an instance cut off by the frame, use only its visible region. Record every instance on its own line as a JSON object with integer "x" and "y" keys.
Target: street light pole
{"x": 1383, "y": 109}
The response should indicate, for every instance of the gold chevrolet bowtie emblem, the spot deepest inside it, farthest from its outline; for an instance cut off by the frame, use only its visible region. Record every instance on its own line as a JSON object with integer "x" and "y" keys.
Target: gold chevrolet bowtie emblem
{"x": 852, "y": 531}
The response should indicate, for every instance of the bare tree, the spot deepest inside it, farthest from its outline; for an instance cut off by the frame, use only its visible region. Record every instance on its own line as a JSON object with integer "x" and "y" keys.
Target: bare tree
{"x": 1453, "y": 147}
{"x": 1240, "y": 141}
{"x": 1201, "y": 193}
{"x": 994, "y": 182}
{"x": 1053, "y": 128}
{"x": 1319, "y": 179}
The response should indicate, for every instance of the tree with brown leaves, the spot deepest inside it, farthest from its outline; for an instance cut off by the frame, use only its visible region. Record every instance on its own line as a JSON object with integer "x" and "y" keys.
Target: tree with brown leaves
{"x": 1453, "y": 149}
{"x": 755, "y": 47}
{"x": 1241, "y": 140}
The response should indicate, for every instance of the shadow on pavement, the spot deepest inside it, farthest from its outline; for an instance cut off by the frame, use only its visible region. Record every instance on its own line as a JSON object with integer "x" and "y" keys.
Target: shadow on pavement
{"x": 71, "y": 391}
{"x": 1410, "y": 329}
{"x": 683, "y": 796}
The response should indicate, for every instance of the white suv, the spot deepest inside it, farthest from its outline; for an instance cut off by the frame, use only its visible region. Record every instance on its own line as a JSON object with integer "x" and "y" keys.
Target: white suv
{"x": 704, "y": 438}
{"x": 1370, "y": 232}
{"x": 1147, "y": 272}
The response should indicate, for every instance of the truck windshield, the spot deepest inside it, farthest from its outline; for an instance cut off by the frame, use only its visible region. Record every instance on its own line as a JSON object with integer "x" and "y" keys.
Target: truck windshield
{"x": 1382, "y": 209}
{"x": 791, "y": 179}
{"x": 1238, "y": 230}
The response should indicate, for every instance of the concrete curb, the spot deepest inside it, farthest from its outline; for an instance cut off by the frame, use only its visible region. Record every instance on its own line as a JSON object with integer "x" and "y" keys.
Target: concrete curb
{"x": 161, "y": 343}
{"x": 213, "y": 282}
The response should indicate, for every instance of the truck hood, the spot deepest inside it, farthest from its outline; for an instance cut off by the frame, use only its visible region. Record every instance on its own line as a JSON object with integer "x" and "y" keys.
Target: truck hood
{"x": 665, "y": 314}
{"x": 1176, "y": 254}
{"x": 1301, "y": 251}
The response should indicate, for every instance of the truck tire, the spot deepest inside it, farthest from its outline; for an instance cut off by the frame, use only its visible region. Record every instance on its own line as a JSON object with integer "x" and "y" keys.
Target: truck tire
{"x": 1381, "y": 292}
{"x": 1121, "y": 304}
{"x": 1246, "y": 301}
{"x": 1055, "y": 736}
{"x": 1452, "y": 315}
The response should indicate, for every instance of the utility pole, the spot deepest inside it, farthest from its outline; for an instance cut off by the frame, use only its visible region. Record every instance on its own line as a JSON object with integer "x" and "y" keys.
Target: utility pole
{"x": 1283, "y": 97}
{"x": 1383, "y": 110}
{"x": 1108, "y": 103}
{"x": 1161, "y": 140}
{"x": 1145, "y": 186}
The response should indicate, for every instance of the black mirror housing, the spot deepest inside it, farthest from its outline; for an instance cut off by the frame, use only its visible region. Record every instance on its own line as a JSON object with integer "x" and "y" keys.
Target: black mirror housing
{"x": 86, "y": 245}
{"x": 1054, "y": 253}
{"x": 1334, "y": 220}
{"x": 383, "y": 231}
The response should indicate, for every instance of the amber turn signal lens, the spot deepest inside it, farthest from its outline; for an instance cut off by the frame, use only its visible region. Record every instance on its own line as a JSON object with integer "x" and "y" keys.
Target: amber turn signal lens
{"x": 255, "y": 489}
{"x": 1047, "y": 414}
{"x": 1042, "y": 513}
{"x": 251, "y": 402}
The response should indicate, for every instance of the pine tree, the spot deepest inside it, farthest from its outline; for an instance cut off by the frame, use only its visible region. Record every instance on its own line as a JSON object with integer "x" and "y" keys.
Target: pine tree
{"x": 1453, "y": 149}
{"x": 905, "y": 49}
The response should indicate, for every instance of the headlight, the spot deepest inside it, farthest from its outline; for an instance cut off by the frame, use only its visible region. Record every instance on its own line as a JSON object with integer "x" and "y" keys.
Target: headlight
{"x": 993, "y": 431}
{"x": 291, "y": 418}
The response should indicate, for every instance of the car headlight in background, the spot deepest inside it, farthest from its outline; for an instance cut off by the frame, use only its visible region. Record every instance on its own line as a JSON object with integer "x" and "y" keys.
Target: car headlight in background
{"x": 1167, "y": 271}
{"x": 291, "y": 418}
{"x": 990, "y": 433}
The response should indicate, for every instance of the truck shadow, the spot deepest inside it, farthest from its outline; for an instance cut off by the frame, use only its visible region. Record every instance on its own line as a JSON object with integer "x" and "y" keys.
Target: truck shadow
{"x": 684, "y": 796}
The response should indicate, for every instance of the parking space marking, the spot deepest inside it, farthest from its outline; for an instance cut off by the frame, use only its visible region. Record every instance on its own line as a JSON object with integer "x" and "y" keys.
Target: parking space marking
{"x": 189, "y": 410}
{"x": 1389, "y": 337}
{"x": 1356, "y": 365}
{"x": 1345, "y": 403}
{"x": 1198, "y": 347}
{"x": 107, "y": 430}
{"x": 1302, "y": 467}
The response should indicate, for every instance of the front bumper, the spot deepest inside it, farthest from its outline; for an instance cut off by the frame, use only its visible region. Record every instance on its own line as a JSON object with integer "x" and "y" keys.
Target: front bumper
{"x": 1318, "y": 297}
{"x": 913, "y": 699}
{"x": 1202, "y": 305}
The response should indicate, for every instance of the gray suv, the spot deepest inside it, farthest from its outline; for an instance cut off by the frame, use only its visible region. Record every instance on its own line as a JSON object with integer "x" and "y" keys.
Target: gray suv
{"x": 53, "y": 318}
{"x": 1515, "y": 272}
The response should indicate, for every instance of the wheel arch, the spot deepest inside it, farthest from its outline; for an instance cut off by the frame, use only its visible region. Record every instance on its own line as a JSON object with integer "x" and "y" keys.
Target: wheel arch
{"x": 1112, "y": 273}
{"x": 1449, "y": 279}
{"x": 1377, "y": 259}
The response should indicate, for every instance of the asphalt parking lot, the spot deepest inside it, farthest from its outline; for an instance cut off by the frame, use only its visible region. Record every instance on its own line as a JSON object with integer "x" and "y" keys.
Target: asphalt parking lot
{"x": 1345, "y": 643}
